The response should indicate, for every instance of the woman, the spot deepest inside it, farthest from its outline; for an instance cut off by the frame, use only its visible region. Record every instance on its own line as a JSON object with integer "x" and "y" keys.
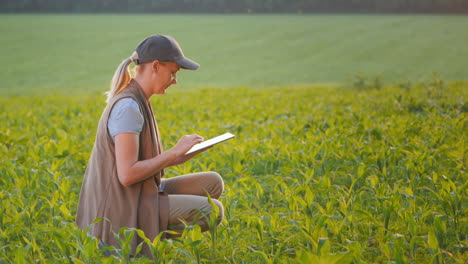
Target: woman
{"x": 122, "y": 183}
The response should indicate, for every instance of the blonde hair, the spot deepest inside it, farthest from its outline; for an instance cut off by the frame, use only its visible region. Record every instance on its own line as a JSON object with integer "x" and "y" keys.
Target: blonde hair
{"x": 121, "y": 77}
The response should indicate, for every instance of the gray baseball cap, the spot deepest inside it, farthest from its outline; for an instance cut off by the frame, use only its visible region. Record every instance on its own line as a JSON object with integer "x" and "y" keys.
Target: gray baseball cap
{"x": 163, "y": 48}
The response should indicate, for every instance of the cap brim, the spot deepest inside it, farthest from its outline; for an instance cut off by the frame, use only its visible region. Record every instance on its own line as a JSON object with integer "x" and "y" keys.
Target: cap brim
{"x": 187, "y": 64}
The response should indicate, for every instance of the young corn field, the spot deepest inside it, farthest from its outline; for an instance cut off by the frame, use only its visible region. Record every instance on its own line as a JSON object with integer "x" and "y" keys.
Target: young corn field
{"x": 322, "y": 175}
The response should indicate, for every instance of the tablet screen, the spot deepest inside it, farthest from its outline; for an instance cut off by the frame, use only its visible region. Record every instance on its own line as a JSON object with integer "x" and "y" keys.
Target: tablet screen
{"x": 210, "y": 142}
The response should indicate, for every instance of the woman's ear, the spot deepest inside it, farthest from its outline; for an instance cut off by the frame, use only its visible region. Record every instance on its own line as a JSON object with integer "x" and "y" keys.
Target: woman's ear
{"x": 156, "y": 65}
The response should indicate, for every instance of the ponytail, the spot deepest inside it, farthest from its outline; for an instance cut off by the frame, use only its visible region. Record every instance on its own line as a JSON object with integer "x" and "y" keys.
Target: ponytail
{"x": 121, "y": 77}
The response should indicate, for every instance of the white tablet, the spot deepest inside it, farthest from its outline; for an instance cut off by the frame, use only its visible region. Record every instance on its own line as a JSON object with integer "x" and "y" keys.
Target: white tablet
{"x": 210, "y": 142}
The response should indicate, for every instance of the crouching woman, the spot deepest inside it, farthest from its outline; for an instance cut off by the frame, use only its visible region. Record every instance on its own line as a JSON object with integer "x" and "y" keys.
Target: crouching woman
{"x": 123, "y": 183}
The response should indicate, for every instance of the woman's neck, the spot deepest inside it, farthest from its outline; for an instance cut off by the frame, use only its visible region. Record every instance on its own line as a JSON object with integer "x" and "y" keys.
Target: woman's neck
{"x": 145, "y": 85}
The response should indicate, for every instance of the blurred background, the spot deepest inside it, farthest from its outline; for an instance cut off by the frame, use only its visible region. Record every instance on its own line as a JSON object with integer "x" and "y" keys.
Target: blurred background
{"x": 234, "y": 6}
{"x": 74, "y": 47}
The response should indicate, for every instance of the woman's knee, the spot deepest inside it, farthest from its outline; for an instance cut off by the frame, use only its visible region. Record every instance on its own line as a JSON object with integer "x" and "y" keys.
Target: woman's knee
{"x": 217, "y": 183}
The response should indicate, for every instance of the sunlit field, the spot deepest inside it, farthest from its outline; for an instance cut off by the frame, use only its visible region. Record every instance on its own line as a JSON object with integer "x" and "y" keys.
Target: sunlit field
{"x": 348, "y": 148}
{"x": 314, "y": 175}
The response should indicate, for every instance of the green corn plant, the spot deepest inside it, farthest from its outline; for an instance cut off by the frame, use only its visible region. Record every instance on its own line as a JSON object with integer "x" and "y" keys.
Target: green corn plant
{"x": 124, "y": 237}
{"x": 158, "y": 246}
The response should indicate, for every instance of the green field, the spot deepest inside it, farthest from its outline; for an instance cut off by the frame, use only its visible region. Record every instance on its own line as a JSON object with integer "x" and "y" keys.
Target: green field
{"x": 314, "y": 174}
{"x": 78, "y": 54}
{"x": 329, "y": 165}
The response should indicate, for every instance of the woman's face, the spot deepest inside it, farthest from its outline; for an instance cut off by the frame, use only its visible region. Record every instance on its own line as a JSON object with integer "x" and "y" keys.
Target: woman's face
{"x": 165, "y": 74}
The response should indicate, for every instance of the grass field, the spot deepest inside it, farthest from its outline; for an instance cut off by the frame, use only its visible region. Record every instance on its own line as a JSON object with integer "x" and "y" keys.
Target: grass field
{"x": 328, "y": 166}
{"x": 50, "y": 54}
{"x": 314, "y": 176}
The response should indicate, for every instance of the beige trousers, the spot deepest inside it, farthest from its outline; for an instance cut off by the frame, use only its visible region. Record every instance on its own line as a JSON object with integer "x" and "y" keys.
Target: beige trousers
{"x": 188, "y": 198}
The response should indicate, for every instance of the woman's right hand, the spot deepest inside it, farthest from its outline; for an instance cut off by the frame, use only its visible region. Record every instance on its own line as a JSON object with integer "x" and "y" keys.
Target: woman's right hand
{"x": 186, "y": 143}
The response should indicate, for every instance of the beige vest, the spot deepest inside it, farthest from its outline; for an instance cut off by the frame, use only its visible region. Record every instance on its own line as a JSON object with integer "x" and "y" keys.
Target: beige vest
{"x": 137, "y": 206}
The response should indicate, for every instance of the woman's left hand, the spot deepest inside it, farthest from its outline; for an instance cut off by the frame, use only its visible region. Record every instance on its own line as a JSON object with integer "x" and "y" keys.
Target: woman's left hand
{"x": 185, "y": 158}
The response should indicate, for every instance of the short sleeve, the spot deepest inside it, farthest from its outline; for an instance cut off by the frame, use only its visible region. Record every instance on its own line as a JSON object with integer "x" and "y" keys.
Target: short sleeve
{"x": 125, "y": 117}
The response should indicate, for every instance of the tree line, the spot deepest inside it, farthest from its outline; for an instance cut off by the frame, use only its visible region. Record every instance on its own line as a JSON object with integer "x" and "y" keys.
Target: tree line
{"x": 234, "y": 6}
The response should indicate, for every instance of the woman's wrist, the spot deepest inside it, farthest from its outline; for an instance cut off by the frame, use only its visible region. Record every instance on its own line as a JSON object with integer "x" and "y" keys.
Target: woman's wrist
{"x": 172, "y": 155}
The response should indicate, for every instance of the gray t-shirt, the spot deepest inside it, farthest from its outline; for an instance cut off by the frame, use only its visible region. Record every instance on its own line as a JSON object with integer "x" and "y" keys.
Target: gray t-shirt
{"x": 125, "y": 117}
